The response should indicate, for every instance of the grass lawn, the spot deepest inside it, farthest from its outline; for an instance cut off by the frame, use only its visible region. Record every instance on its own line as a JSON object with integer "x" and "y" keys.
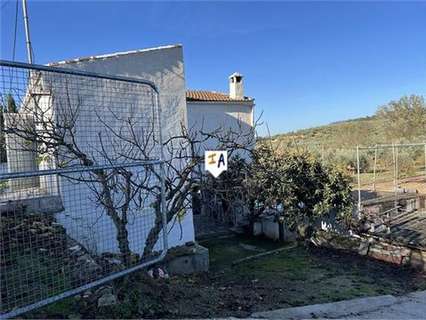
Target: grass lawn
{"x": 295, "y": 276}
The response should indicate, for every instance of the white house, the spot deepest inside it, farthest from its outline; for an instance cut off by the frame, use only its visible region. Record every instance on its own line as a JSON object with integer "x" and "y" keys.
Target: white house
{"x": 99, "y": 106}
{"x": 210, "y": 110}
{"x": 164, "y": 67}
{"x": 77, "y": 212}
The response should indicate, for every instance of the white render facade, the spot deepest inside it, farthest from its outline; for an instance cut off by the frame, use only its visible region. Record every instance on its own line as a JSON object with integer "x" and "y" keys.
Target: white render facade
{"x": 200, "y": 110}
{"x": 210, "y": 110}
{"x": 79, "y": 214}
{"x": 164, "y": 67}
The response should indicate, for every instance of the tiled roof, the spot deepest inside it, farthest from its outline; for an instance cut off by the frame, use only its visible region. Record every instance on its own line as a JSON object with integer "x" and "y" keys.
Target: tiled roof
{"x": 211, "y": 96}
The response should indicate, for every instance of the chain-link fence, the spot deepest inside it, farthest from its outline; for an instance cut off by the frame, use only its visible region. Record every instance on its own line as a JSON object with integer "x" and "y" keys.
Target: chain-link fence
{"x": 81, "y": 182}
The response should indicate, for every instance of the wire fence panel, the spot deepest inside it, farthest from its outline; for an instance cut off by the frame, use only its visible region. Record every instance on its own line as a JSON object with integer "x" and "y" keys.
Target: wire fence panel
{"x": 391, "y": 192}
{"x": 81, "y": 182}
{"x": 391, "y": 171}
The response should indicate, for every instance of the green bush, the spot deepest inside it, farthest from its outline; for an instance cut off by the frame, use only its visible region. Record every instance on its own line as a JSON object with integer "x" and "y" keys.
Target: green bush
{"x": 298, "y": 185}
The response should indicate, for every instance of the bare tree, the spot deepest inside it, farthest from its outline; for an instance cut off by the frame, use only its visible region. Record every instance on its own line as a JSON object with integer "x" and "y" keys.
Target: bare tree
{"x": 127, "y": 137}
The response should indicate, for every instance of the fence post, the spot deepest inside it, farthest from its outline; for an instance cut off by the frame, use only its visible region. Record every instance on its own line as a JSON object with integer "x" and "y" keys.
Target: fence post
{"x": 395, "y": 165}
{"x": 374, "y": 169}
{"x": 359, "y": 180}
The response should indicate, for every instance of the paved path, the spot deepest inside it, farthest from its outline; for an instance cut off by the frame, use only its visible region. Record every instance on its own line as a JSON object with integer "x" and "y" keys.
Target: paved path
{"x": 411, "y": 306}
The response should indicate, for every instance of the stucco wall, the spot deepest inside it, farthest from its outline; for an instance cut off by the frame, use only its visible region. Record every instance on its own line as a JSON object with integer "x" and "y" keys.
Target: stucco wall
{"x": 163, "y": 66}
{"x": 211, "y": 116}
{"x": 20, "y": 156}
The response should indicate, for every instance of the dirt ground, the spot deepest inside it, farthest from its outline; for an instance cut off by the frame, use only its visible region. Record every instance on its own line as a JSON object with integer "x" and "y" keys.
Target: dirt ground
{"x": 413, "y": 183}
{"x": 296, "y": 276}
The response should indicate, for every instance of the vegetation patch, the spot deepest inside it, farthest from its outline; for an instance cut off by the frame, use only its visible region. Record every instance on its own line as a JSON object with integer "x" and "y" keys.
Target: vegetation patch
{"x": 401, "y": 121}
{"x": 294, "y": 277}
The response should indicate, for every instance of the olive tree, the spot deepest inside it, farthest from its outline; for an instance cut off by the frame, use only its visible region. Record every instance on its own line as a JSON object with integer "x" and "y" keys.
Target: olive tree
{"x": 405, "y": 118}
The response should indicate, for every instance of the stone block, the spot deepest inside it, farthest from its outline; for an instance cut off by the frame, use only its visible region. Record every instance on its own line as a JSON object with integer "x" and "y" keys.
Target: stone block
{"x": 271, "y": 229}
{"x": 364, "y": 247}
{"x": 257, "y": 228}
{"x": 190, "y": 261}
{"x": 418, "y": 259}
{"x": 385, "y": 252}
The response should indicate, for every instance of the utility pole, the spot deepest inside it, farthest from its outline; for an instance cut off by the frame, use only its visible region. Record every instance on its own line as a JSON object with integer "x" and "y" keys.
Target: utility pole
{"x": 27, "y": 32}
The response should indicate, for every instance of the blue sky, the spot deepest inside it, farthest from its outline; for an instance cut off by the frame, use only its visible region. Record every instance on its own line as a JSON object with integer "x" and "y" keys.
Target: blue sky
{"x": 305, "y": 63}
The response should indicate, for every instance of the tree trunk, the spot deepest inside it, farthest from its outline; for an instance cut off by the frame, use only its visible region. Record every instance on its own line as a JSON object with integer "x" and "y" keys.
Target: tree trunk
{"x": 152, "y": 238}
{"x": 123, "y": 243}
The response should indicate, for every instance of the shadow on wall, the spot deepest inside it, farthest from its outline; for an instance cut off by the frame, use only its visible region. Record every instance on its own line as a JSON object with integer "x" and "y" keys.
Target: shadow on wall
{"x": 233, "y": 124}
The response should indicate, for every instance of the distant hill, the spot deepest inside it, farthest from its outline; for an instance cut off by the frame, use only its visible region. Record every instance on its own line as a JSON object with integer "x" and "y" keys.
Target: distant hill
{"x": 341, "y": 134}
{"x": 401, "y": 121}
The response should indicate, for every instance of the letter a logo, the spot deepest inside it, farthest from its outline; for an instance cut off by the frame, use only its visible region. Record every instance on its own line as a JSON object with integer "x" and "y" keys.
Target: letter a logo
{"x": 216, "y": 162}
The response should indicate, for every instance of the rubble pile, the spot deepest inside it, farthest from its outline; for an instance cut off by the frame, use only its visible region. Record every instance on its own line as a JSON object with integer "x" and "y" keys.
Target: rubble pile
{"x": 29, "y": 233}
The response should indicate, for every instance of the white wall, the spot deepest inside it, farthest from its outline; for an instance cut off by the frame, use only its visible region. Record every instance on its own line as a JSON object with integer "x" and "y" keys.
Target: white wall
{"x": 163, "y": 66}
{"x": 83, "y": 221}
{"x": 210, "y": 116}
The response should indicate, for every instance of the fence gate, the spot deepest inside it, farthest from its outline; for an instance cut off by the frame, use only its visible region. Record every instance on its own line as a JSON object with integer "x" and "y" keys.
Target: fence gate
{"x": 81, "y": 182}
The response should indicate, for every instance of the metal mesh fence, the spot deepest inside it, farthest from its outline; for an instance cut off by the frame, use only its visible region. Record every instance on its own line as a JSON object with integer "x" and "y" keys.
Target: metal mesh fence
{"x": 391, "y": 192}
{"x": 81, "y": 182}
{"x": 390, "y": 171}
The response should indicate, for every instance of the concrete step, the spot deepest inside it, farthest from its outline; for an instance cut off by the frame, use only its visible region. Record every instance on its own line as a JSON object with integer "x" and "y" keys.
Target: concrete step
{"x": 330, "y": 310}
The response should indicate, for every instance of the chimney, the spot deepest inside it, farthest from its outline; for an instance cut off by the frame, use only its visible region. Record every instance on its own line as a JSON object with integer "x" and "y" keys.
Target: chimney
{"x": 236, "y": 90}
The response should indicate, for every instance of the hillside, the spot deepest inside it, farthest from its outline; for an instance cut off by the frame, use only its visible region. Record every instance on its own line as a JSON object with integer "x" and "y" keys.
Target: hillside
{"x": 338, "y": 135}
{"x": 398, "y": 121}
{"x": 336, "y": 144}
{"x": 342, "y": 134}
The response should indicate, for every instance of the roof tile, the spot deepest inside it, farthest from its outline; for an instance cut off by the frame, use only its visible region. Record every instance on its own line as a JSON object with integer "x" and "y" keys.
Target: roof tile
{"x": 212, "y": 96}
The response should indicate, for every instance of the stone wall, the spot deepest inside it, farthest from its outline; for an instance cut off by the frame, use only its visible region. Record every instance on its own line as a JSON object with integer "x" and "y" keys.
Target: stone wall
{"x": 373, "y": 247}
{"x": 407, "y": 202}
